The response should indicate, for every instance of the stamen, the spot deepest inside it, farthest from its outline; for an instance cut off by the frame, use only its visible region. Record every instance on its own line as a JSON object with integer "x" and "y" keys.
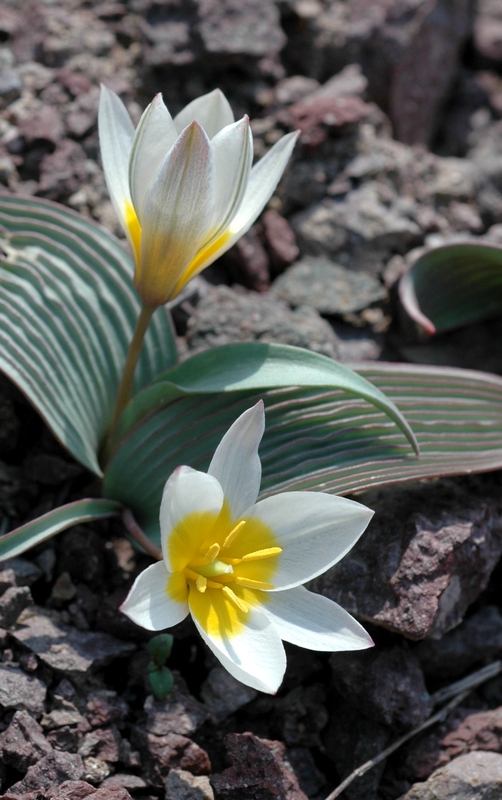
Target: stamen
{"x": 206, "y": 557}
{"x": 267, "y": 552}
{"x": 215, "y": 585}
{"x": 233, "y": 533}
{"x": 193, "y": 576}
{"x": 236, "y": 601}
{"x": 201, "y": 583}
{"x": 251, "y": 584}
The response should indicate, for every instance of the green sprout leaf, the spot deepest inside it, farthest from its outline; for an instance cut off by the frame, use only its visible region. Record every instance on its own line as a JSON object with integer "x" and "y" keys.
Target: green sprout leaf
{"x": 161, "y": 680}
{"x": 317, "y": 437}
{"x": 452, "y": 286}
{"x": 160, "y": 648}
{"x": 42, "y": 528}
{"x": 67, "y": 312}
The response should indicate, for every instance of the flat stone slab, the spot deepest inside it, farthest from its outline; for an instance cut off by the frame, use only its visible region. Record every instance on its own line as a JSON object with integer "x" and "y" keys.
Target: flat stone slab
{"x": 66, "y": 649}
{"x": 328, "y": 287}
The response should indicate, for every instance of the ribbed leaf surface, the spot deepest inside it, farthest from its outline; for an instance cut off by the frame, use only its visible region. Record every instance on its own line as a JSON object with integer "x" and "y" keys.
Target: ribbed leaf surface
{"x": 453, "y": 285}
{"x": 321, "y": 439}
{"x": 42, "y": 528}
{"x": 67, "y": 312}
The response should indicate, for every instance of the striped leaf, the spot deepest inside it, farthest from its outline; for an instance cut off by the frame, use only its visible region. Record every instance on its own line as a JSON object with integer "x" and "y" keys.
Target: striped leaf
{"x": 67, "y": 312}
{"x": 42, "y": 528}
{"x": 452, "y": 286}
{"x": 318, "y": 438}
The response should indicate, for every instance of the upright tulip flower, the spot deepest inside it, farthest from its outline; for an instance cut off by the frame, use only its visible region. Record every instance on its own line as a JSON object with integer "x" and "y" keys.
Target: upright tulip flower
{"x": 184, "y": 189}
{"x": 237, "y": 565}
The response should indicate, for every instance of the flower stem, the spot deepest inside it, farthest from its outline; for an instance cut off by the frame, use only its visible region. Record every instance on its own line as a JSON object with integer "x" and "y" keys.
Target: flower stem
{"x": 125, "y": 388}
{"x": 141, "y": 538}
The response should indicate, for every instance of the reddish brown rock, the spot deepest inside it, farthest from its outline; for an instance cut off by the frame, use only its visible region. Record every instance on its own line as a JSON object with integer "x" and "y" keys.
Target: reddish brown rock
{"x": 247, "y": 262}
{"x": 63, "y": 172}
{"x": 418, "y": 567}
{"x": 163, "y": 753}
{"x": 335, "y": 104}
{"x": 280, "y": 240}
{"x": 259, "y": 771}
{"x": 50, "y": 771}
{"x": 23, "y": 743}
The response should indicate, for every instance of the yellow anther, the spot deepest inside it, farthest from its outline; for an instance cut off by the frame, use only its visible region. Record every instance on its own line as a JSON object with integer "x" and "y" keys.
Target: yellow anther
{"x": 233, "y": 533}
{"x": 206, "y": 555}
{"x": 201, "y": 583}
{"x": 267, "y": 552}
{"x": 236, "y": 601}
{"x": 249, "y": 583}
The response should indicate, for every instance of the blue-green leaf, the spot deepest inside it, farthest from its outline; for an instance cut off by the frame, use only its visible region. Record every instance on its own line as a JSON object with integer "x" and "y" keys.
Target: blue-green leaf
{"x": 453, "y": 285}
{"x": 38, "y": 530}
{"x": 67, "y": 312}
{"x": 319, "y": 438}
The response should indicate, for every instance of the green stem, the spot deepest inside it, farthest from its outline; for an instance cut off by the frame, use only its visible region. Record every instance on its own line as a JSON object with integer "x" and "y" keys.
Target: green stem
{"x": 126, "y": 384}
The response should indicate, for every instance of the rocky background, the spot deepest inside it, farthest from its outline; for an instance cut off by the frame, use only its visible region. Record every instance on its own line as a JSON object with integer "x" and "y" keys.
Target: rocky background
{"x": 399, "y": 103}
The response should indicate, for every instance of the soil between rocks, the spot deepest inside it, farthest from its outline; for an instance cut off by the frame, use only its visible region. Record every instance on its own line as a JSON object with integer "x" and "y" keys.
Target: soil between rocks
{"x": 400, "y": 111}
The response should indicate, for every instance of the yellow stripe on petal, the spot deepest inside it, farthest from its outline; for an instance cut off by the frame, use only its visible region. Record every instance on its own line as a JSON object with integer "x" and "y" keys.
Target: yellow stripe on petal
{"x": 134, "y": 228}
{"x": 177, "y": 588}
{"x": 204, "y": 254}
{"x": 223, "y": 616}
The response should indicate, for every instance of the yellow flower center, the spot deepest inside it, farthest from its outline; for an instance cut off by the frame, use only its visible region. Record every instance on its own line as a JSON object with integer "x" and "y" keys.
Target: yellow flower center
{"x": 223, "y": 568}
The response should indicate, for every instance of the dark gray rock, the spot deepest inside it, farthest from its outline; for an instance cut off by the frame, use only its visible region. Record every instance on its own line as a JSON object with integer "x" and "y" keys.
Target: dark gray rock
{"x": 25, "y": 571}
{"x": 223, "y": 694}
{"x": 21, "y": 692}
{"x": 417, "y": 573}
{"x": 12, "y": 602}
{"x": 477, "y": 640}
{"x": 362, "y": 221}
{"x": 327, "y": 287}
{"x": 179, "y": 712}
{"x": 474, "y": 776}
{"x": 241, "y": 27}
{"x": 259, "y": 770}
{"x": 226, "y": 316}
{"x": 67, "y": 650}
{"x": 386, "y": 685}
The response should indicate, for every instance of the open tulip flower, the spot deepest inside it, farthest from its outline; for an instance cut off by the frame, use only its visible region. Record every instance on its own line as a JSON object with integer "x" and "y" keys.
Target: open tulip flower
{"x": 237, "y": 565}
{"x": 184, "y": 189}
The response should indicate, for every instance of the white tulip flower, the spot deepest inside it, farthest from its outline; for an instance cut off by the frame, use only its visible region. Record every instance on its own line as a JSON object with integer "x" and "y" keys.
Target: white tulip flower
{"x": 237, "y": 565}
{"x": 184, "y": 189}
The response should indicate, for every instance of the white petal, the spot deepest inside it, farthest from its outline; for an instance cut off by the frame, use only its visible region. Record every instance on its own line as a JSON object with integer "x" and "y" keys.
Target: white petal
{"x": 212, "y": 111}
{"x": 313, "y": 621}
{"x": 236, "y": 463}
{"x": 255, "y": 657}
{"x": 148, "y": 603}
{"x": 233, "y": 155}
{"x": 263, "y": 179}
{"x": 116, "y": 133}
{"x": 154, "y": 137}
{"x": 177, "y": 215}
{"x": 186, "y": 492}
{"x": 315, "y": 530}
